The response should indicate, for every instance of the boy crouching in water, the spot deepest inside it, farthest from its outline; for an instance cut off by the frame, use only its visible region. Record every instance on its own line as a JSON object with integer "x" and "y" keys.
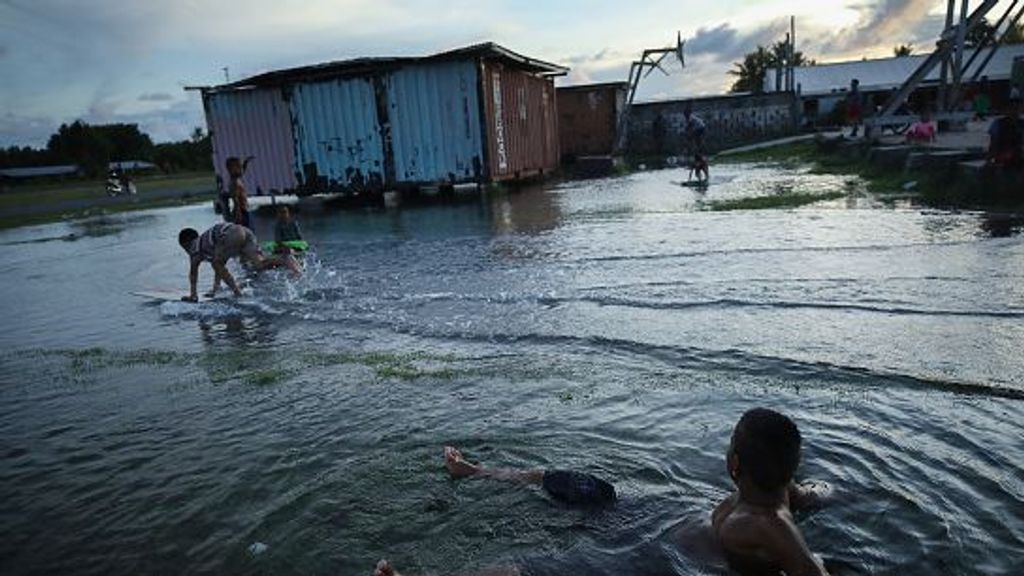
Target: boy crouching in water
{"x": 755, "y": 527}
{"x": 219, "y": 244}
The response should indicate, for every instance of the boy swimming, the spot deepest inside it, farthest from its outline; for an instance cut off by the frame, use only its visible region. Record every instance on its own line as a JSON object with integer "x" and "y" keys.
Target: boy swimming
{"x": 564, "y": 485}
{"x": 219, "y": 244}
{"x": 754, "y": 526}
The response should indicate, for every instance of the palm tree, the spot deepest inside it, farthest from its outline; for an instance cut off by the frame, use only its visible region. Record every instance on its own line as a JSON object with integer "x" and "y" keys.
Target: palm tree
{"x": 750, "y": 72}
{"x": 903, "y": 50}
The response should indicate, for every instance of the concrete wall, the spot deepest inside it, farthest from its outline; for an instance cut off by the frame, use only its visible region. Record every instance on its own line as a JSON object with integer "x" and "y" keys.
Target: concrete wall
{"x": 731, "y": 121}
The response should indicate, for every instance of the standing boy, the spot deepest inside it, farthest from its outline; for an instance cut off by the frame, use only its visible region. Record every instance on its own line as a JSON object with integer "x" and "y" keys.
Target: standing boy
{"x": 236, "y": 187}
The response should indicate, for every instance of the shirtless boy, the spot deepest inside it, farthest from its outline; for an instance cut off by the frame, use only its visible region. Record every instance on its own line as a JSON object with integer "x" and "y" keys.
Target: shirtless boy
{"x": 754, "y": 526}
{"x": 219, "y": 244}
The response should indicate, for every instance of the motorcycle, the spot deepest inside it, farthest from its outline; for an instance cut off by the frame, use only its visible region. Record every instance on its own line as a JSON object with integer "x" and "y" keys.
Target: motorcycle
{"x": 119, "y": 184}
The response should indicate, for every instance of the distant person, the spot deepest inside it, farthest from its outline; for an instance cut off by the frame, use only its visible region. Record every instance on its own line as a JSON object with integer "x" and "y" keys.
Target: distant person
{"x": 699, "y": 168}
{"x": 754, "y": 528}
{"x": 854, "y": 107}
{"x": 923, "y": 131}
{"x": 236, "y": 188}
{"x": 285, "y": 230}
{"x": 219, "y": 244}
{"x": 1006, "y": 137}
{"x": 695, "y": 130}
{"x": 982, "y": 101}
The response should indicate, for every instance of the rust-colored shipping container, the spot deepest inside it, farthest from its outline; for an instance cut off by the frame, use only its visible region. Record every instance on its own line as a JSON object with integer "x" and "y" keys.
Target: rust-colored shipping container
{"x": 588, "y": 118}
{"x": 522, "y": 121}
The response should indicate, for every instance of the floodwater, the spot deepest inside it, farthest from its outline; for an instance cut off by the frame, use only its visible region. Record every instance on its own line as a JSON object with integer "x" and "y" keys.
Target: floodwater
{"x": 611, "y": 326}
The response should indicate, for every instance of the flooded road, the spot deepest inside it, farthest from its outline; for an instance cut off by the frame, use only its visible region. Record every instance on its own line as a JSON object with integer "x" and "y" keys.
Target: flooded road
{"x": 613, "y": 326}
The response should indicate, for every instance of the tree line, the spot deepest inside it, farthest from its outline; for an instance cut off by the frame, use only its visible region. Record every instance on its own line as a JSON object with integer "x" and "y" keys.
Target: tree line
{"x": 94, "y": 147}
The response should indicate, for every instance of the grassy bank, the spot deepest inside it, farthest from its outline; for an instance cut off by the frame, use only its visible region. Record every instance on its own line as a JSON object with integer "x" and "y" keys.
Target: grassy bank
{"x": 939, "y": 188}
{"x": 25, "y": 205}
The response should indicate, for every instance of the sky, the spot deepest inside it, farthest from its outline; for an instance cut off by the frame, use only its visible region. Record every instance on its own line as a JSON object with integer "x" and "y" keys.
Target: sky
{"x": 129, "y": 61}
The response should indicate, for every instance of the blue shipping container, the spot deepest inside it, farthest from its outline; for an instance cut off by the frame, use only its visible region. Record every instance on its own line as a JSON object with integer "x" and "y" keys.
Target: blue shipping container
{"x": 434, "y": 115}
{"x": 338, "y": 143}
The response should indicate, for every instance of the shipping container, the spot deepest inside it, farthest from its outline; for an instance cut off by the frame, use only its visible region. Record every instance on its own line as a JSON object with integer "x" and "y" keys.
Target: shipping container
{"x": 434, "y": 123}
{"x": 476, "y": 114}
{"x": 588, "y": 118}
{"x": 255, "y": 123}
{"x": 522, "y": 123}
{"x": 338, "y": 141}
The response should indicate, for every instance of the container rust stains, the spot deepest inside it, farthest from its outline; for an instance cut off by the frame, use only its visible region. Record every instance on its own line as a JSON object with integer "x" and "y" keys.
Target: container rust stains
{"x": 476, "y": 114}
{"x": 588, "y": 119}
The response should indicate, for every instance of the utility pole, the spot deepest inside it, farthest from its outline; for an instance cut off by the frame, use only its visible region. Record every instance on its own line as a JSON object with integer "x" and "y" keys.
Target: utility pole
{"x": 227, "y": 78}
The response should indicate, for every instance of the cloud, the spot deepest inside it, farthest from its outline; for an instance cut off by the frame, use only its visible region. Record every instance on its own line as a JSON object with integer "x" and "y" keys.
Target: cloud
{"x": 884, "y": 23}
{"x": 155, "y": 97}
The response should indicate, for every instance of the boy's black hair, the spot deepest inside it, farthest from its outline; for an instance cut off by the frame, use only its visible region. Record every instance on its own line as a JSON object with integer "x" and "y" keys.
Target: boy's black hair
{"x": 186, "y": 236}
{"x": 232, "y": 160}
{"x": 767, "y": 444}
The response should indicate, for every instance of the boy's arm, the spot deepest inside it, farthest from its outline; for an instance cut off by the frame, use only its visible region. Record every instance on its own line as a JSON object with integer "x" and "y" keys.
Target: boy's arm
{"x": 794, "y": 557}
{"x": 193, "y": 278}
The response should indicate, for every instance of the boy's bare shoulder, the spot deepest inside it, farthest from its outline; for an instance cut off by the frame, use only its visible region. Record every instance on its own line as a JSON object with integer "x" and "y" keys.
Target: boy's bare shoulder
{"x": 752, "y": 537}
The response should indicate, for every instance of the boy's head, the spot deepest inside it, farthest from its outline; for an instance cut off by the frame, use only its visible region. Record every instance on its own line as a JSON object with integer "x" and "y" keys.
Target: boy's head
{"x": 234, "y": 167}
{"x": 283, "y": 214}
{"x": 186, "y": 237}
{"x": 765, "y": 449}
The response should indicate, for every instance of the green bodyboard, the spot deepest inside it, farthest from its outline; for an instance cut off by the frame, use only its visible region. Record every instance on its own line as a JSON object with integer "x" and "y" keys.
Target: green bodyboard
{"x": 297, "y": 245}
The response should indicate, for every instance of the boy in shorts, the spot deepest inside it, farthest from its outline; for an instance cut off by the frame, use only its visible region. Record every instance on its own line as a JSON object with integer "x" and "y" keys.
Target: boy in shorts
{"x": 219, "y": 244}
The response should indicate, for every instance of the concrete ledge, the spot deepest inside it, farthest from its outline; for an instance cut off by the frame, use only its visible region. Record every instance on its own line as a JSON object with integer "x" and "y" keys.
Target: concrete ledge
{"x": 890, "y": 157}
{"x": 936, "y": 160}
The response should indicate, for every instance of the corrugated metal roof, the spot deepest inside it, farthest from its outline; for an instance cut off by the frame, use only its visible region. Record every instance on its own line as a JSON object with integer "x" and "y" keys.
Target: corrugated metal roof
{"x": 362, "y": 66}
{"x": 887, "y": 73}
{"x": 39, "y": 171}
{"x": 434, "y": 114}
{"x": 595, "y": 86}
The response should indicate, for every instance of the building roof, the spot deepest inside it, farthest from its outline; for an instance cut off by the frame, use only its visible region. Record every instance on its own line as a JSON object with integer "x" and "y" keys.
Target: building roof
{"x": 131, "y": 165}
{"x": 361, "y": 66}
{"x": 888, "y": 73}
{"x": 596, "y": 86}
{"x": 39, "y": 171}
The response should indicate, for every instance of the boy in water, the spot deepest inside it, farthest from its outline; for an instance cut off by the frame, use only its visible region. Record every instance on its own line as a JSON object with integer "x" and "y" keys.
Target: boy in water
{"x": 236, "y": 169}
{"x": 285, "y": 230}
{"x": 219, "y": 244}
{"x": 563, "y": 485}
{"x": 755, "y": 527}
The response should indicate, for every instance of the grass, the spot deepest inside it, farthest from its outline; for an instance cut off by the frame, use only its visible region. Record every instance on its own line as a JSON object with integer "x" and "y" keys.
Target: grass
{"x": 50, "y": 202}
{"x": 790, "y": 200}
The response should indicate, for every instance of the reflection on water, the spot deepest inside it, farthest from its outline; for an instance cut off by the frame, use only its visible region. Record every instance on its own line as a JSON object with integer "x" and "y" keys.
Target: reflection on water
{"x": 610, "y": 326}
